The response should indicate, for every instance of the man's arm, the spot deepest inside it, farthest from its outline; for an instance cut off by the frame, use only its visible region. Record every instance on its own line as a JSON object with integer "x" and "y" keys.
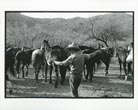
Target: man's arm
{"x": 92, "y": 55}
{"x": 65, "y": 62}
{"x": 88, "y": 56}
{"x": 58, "y": 63}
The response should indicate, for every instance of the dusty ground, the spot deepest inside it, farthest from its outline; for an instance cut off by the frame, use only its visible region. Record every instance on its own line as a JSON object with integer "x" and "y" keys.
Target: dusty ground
{"x": 110, "y": 86}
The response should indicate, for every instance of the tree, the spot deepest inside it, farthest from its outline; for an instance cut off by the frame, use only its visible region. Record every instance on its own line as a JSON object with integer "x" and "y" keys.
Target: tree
{"x": 107, "y": 33}
{"x": 98, "y": 34}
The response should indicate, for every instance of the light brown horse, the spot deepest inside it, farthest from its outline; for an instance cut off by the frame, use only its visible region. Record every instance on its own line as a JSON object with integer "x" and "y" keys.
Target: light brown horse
{"x": 38, "y": 61}
{"x": 122, "y": 54}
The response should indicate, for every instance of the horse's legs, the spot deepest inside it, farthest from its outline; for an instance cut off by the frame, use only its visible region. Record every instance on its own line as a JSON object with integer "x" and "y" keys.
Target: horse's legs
{"x": 63, "y": 70}
{"x": 36, "y": 76}
{"x": 107, "y": 63}
{"x": 91, "y": 70}
{"x": 38, "y": 67}
{"x": 12, "y": 68}
{"x": 56, "y": 71}
{"x": 88, "y": 71}
{"x": 87, "y": 74}
{"x": 17, "y": 68}
{"x": 124, "y": 66}
{"x": 46, "y": 69}
{"x": 51, "y": 68}
{"x": 23, "y": 70}
{"x": 94, "y": 69}
{"x": 43, "y": 65}
{"x": 84, "y": 71}
{"x": 6, "y": 69}
{"x": 106, "y": 69}
{"x": 27, "y": 66}
{"x": 129, "y": 68}
{"x": 6, "y": 74}
{"x": 120, "y": 65}
{"x": 91, "y": 74}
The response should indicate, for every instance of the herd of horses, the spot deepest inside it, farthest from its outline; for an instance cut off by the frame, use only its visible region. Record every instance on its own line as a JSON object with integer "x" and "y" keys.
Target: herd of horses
{"x": 41, "y": 59}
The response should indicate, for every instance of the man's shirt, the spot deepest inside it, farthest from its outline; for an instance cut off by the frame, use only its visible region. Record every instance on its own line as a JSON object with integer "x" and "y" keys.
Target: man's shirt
{"x": 76, "y": 62}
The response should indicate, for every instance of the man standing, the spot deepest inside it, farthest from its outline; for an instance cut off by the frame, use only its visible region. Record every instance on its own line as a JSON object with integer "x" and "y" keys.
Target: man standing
{"x": 76, "y": 62}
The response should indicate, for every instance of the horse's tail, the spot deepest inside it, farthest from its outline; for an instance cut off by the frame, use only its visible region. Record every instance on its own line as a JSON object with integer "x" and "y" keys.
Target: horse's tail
{"x": 17, "y": 56}
{"x": 29, "y": 54}
{"x": 37, "y": 60}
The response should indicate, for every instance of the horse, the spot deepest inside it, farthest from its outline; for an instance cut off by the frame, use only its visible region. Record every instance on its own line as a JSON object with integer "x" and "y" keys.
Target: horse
{"x": 58, "y": 54}
{"x": 88, "y": 63}
{"x": 82, "y": 47}
{"x": 23, "y": 57}
{"x": 87, "y": 67}
{"x": 129, "y": 59}
{"x": 39, "y": 61}
{"x": 122, "y": 54}
{"x": 100, "y": 55}
{"x": 10, "y": 60}
{"x": 130, "y": 55}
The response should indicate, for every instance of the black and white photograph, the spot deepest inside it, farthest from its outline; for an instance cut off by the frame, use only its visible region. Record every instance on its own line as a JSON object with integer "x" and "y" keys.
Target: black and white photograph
{"x": 69, "y": 54}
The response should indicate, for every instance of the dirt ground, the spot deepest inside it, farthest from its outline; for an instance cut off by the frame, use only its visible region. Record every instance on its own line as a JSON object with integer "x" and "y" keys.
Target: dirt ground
{"x": 109, "y": 86}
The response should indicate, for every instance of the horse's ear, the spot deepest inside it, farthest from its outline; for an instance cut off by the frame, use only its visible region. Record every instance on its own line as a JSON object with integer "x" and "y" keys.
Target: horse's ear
{"x": 44, "y": 42}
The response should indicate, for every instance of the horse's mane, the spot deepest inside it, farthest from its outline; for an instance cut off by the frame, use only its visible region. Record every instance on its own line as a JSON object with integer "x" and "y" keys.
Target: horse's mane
{"x": 82, "y": 47}
{"x": 56, "y": 47}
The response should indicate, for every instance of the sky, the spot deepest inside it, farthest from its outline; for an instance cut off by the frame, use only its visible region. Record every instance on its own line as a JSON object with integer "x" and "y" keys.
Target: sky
{"x": 61, "y": 15}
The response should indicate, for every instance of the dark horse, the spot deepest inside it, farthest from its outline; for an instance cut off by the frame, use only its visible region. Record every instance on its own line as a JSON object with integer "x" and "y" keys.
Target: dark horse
{"x": 9, "y": 64}
{"x": 101, "y": 55}
{"x": 88, "y": 63}
{"x": 10, "y": 60}
{"x": 23, "y": 57}
{"x": 58, "y": 54}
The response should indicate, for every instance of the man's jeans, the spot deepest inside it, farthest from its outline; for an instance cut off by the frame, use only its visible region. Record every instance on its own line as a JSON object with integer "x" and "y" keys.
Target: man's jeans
{"x": 74, "y": 84}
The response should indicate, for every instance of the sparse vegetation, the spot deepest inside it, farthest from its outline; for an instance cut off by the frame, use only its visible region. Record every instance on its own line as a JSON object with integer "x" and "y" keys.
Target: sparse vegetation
{"x": 25, "y": 31}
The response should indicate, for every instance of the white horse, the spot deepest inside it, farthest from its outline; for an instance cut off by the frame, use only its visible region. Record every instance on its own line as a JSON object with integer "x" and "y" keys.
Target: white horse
{"x": 130, "y": 55}
{"x": 129, "y": 60}
{"x": 38, "y": 61}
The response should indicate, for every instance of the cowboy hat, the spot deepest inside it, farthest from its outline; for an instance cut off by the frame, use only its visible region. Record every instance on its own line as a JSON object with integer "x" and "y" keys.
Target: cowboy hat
{"x": 72, "y": 46}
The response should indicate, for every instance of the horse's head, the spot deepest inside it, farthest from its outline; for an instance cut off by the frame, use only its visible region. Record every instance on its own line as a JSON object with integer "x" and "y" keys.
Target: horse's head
{"x": 111, "y": 51}
{"x": 122, "y": 51}
{"x": 52, "y": 55}
{"x": 130, "y": 47}
{"x": 46, "y": 43}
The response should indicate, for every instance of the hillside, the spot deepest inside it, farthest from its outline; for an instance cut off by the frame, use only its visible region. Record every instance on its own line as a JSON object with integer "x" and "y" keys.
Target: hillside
{"x": 22, "y": 30}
